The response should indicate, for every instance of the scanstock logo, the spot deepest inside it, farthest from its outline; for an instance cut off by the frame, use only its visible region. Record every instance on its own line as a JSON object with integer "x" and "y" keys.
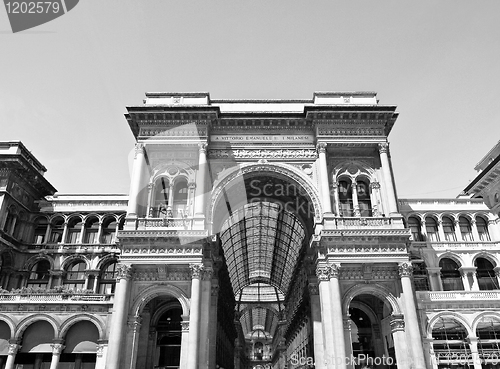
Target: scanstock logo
{"x": 26, "y": 14}
{"x": 168, "y": 163}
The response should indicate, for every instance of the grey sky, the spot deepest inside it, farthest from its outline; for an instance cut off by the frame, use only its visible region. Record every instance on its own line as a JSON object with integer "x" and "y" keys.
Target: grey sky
{"x": 64, "y": 85}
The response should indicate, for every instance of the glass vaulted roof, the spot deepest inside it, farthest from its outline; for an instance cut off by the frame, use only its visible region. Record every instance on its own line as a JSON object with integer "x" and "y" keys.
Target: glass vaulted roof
{"x": 261, "y": 243}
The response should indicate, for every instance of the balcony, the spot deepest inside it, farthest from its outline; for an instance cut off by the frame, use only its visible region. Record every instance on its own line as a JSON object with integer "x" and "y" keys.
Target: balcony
{"x": 165, "y": 223}
{"x": 358, "y": 222}
{"x": 73, "y": 247}
{"x": 457, "y": 246}
{"x": 435, "y": 296}
{"x": 53, "y": 297}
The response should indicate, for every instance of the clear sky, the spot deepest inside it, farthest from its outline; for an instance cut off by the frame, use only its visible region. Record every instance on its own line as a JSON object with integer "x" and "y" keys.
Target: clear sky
{"x": 64, "y": 85}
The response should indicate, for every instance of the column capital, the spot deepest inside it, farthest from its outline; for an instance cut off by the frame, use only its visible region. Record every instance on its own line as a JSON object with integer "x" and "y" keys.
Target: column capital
{"x": 383, "y": 147}
{"x": 323, "y": 273}
{"x": 185, "y": 326}
{"x": 196, "y": 270}
{"x": 214, "y": 291}
{"x": 497, "y": 271}
{"x": 347, "y": 323}
{"x": 13, "y": 348}
{"x": 134, "y": 322}
{"x": 203, "y": 146}
{"x": 192, "y": 185}
{"x": 321, "y": 147}
{"x": 124, "y": 271}
{"x": 57, "y": 348}
{"x": 100, "y": 350}
{"x": 434, "y": 270}
{"x": 334, "y": 270}
{"x": 397, "y": 323}
{"x": 139, "y": 149}
{"x": 405, "y": 269}
{"x": 374, "y": 185}
{"x": 467, "y": 270}
{"x": 206, "y": 273}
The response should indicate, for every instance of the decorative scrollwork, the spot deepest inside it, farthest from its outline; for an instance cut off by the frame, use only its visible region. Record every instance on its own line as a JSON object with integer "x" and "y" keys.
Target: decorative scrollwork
{"x": 124, "y": 271}
{"x": 405, "y": 269}
{"x": 323, "y": 273}
{"x": 196, "y": 270}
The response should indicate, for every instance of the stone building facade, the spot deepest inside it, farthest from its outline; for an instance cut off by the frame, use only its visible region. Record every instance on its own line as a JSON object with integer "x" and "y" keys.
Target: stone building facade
{"x": 256, "y": 234}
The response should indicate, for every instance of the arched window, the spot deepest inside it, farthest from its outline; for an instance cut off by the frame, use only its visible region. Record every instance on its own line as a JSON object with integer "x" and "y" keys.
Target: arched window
{"x": 465, "y": 228}
{"x": 180, "y": 198}
{"x": 161, "y": 199}
{"x": 488, "y": 334}
{"x": 450, "y": 275}
{"x": 39, "y": 274}
{"x": 108, "y": 230}
{"x": 482, "y": 229}
{"x": 449, "y": 230}
{"x": 345, "y": 198}
{"x": 364, "y": 201}
{"x": 416, "y": 231}
{"x": 450, "y": 342}
{"x": 41, "y": 225}
{"x": 75, "y": 275}
{"x": 169, "y": 338}
{"x": 107, "y": 279}
{"x": 91, "y": 230}
{"x": 57, "y": 230}
{"x": 431, "y": 228}
{"x": 74, "y": 230}
{"x": 486, "y": 277}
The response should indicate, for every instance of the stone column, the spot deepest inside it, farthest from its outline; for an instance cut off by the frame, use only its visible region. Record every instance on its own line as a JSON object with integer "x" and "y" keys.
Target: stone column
{"x": 135, "y": 184}
{"x": 11, "y": 356}
{"x": 405, "y": 271}
{"x": 355, "y": 203}
{"x": 429, "y": 344}
{"x": 206, "y": 293}
{"x": 435, "y": 278}
{"x": 323, "y": 274}
{"x": 375, "y": 199}
{"x": 475, "y": 233}
{"x": 57, "y": 348}
{"x": 387, "y": 172}
{"x": 493, "y": 230}
{"x": 335, "y": 189}
{"x": 458, "y": 234}
{"x": 348, "y": 342}
{"x": 423, "y": 230}
{"x": 151, "y": 200}
{"x": 199, "y": 209}
{"x": 442, "y": 237}
{"x": 65, "y": 233}
{"x": 337, "y": 317}
{"x": 100, "y": 354}
{"x": 323, "y": 178}
{"x": 119, "y": 318}
{"x": 184, "y": 342}
{"x": 212, "y": 356}
{"x": 469, "y": 278}
{"x": 400, "y": 347}
{"x": 135, "y": 325}
{"x": 194, "y": 316}
{"x": 82, "y": 233}
{"x": 476, "y": 360}
{"x": 315, "y": 302}
{"x": 99, "y": 233}
{"x": 497, "y": 274}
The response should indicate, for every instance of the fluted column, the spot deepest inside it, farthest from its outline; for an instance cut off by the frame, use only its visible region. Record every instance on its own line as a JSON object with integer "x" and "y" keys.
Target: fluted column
{"x": 387, "y": 172}
{"x": 206, "y": 294}
{"x": 355, "y": 203}
{"x": 317, "y": 321}
{"x": 194, "y": 315}
{"x": 375, "y": 198}
{"x": 135, "y": 184}
{"x": 348, "y": 342}
{"x": 335, "y": 190}
{"x": 323, "y": 170}
{"x": 405, "y": 271}
{"x": 337, "y": 317}
{"x": 135, "y": 326}
{"x": 57, "y": 348}
{"x": 400, "y": 345}
{"x": 323, "y": 274}
{"x": 119, "y": 317}
{"x": 11, "y": 355}
{"x": 201, "y": 179}
{"x": 212, "y": 356}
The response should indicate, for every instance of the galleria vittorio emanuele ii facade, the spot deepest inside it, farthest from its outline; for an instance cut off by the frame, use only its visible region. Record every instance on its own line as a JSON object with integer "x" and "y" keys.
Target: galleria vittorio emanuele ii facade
{"x": 256, "y": 234}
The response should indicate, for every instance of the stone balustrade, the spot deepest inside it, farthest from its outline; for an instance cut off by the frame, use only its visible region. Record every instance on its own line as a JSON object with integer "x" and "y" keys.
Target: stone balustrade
{"x": 53, "y": 297}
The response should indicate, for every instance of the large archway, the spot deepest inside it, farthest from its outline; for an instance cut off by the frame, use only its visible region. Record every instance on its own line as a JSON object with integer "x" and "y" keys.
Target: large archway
{"x": 264, "y": 216}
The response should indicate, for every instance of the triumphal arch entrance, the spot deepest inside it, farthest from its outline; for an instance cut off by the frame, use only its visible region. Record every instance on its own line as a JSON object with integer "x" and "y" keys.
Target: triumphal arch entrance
{"x": 263, "y": 234}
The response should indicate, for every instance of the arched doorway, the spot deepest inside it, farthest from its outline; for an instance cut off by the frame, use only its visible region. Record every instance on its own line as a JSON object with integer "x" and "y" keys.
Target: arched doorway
{"x": 160, "y": 337}
{"x": 264, "y": 225}
{"x": 371, "y": 332}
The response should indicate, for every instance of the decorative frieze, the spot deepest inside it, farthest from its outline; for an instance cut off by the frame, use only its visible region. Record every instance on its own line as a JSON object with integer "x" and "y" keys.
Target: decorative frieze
{"x": 351, "y": 131}
{"x": 262, "y": 154}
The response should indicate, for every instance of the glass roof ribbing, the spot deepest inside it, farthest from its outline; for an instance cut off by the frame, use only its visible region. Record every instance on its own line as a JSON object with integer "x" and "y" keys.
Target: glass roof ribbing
{"x": 259, "y": 319}
{"x": 261, "y": 243}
